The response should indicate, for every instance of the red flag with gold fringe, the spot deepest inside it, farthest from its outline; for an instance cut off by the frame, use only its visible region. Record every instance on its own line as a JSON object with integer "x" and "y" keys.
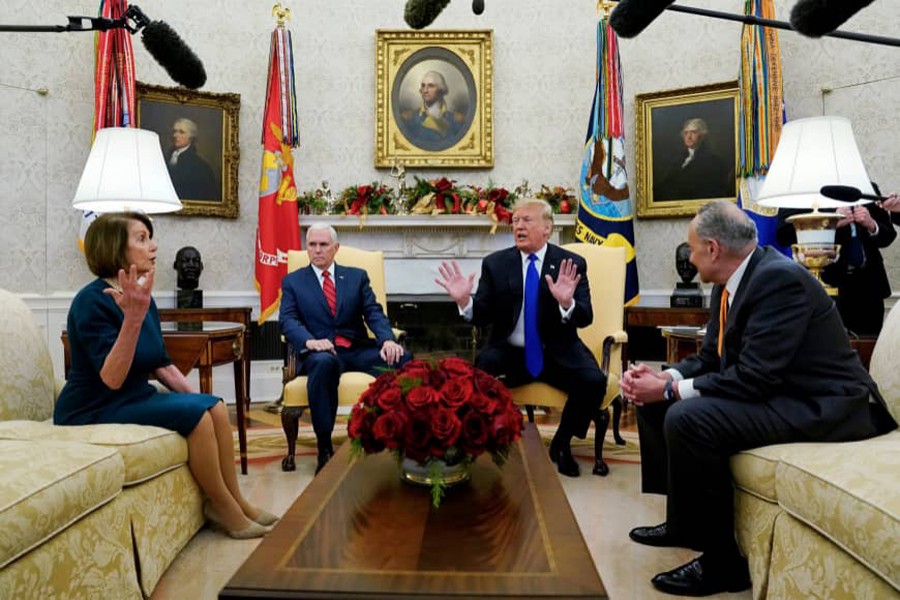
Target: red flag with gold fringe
{"x": 278, "y": 229}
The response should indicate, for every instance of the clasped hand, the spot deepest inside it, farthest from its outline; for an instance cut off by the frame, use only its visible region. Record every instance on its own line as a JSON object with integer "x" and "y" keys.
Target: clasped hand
{"x": 642, "y": 385}
{"x": 856, "y": 214}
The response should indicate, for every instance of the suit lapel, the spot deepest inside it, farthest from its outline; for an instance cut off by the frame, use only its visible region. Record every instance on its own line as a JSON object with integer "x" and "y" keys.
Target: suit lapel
{"x": 742, "y": 288}
{"x": 515, "y": 281}
{"x": 340, "y": 288}
{"x": 313, "y": 290}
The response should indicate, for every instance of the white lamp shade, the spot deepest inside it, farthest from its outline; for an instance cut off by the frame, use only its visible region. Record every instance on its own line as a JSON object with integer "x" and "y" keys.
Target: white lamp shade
{"x": 812, "y": 153}
{"x": 125, "y": 171}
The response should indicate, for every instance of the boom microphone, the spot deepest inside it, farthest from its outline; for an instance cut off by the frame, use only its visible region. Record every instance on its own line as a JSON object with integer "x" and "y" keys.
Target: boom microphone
{"x": 847, "y": 193}
{"x": 477, "y": 6}
{"x": 630, "y": 17}
{"x": 815, "y": 18}
{"x": 420, "y": 13}
{"x": 169, "y": 50}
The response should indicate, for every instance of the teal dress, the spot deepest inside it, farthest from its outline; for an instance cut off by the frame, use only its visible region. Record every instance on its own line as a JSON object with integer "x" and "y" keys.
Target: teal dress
{"x": 93, "y": 325}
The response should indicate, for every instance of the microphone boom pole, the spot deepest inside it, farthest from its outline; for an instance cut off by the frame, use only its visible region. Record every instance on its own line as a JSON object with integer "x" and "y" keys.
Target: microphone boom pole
{"x": 752, "y": 20}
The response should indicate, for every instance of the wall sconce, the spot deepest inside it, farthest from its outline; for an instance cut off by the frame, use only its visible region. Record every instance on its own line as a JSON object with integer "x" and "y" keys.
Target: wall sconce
{"x": 125, "y": 171}
{"x": 811, "y": 154}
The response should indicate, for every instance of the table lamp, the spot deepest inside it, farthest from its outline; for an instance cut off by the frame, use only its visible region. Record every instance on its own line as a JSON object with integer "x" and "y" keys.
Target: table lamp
{"x": 125, "y": 171}
{"x": 813, "y": 153}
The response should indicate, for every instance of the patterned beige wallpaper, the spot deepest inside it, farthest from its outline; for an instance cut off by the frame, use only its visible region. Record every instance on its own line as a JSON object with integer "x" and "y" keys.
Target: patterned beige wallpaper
{"x": 544, "y": 72}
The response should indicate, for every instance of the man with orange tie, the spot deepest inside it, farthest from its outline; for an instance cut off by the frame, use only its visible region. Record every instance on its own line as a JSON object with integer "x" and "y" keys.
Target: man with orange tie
{"x": 775, "y": 367}
{"x": 325, "y": 308}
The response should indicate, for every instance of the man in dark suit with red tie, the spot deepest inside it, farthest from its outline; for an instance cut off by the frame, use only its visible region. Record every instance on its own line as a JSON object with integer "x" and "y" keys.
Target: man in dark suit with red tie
{"x": 775, "y": 367}
{"x": 536, "y": 296}
{"x": 325, "y": 308}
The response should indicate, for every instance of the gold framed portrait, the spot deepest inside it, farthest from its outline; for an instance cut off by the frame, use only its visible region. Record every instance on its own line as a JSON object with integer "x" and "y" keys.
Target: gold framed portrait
{"x": 686, "y": 148}
{"x": 198, "y": 132}
{"x": 434, "y": 98}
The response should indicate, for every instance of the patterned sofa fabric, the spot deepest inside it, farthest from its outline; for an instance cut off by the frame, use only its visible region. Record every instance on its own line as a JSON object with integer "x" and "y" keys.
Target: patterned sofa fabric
{"x": 850, "y": 493}
{"x": 806, "y": 564}
{"x": 47, "y": 486}
{"x": 27, "y": 385}
{"x": 147, "y": 451}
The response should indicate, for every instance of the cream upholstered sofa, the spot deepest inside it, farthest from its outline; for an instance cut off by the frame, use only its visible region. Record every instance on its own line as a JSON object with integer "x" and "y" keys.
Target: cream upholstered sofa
{"x": 96, "y": 511}
{"x": 823, "y": 520}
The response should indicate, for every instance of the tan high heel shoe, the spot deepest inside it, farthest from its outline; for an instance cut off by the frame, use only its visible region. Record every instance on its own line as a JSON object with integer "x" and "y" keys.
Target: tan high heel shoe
{"x": 254, "y": 530}
{"x": 266, "y": 518}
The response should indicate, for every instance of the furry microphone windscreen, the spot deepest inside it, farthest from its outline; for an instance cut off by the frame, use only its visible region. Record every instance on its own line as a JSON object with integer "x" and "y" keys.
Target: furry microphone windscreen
{"x": 630, "y": 17}
{"x": 168, "y": 49}
{"x": 421, "y": 13}
{"x": 815, "y": 18}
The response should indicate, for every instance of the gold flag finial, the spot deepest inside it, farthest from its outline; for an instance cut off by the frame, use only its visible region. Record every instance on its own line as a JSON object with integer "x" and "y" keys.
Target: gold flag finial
{"x": 606, "y": 6}
{"x": 281, "y": 13}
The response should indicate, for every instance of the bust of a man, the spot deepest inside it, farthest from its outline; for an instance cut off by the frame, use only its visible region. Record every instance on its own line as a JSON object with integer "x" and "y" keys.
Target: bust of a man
{"x": 189, "y": 267}
{"x": 686, "y": 270}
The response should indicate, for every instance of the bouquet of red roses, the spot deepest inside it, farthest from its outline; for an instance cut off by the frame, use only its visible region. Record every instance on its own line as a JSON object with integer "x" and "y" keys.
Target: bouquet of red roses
{"x": 433, "y": 412}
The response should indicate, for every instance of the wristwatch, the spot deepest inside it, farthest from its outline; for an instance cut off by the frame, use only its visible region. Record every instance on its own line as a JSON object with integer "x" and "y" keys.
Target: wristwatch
{"x": 669, "y": 392}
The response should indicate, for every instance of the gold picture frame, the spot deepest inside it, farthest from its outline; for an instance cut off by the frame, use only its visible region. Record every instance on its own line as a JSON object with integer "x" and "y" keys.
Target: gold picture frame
{"x": 459, "y": 64}
{"x": 207, "y": 179}
{"x": 668, "y": 124}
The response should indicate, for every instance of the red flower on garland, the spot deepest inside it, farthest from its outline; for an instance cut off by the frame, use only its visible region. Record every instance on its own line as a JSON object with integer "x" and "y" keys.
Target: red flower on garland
{"x": 367, "y": 199}
{"x": 445, "y": 410}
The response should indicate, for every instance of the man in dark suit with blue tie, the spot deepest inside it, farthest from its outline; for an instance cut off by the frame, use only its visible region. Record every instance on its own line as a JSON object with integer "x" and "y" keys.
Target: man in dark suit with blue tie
{"x": 775, "y": 367}
{"x": 325, "y": 308}
{"x": 535, "y": 321}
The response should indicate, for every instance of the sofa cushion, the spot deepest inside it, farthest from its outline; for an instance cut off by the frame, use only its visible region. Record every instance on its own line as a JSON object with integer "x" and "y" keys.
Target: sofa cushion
{"x": 754, "y": 470}
{"x": 850, "y": 493}
{"x": 26, "y": 371}
{"x": 47, "y": 486}
{"x": 147, "y": 451}
{"x": 883, "y": 364}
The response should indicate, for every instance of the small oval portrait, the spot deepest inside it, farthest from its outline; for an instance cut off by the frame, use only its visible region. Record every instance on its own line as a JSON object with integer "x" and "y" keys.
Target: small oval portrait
{"x": 434, "y": 99}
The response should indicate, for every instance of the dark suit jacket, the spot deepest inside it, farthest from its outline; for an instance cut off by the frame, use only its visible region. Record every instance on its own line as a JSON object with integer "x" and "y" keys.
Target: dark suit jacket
{"x": 305, "y": 315}
{"x": 706, "y": 176}
{"x": 499, "y": 298}
{"x": 193, "y": 178}
{"x": 785, "y": 345}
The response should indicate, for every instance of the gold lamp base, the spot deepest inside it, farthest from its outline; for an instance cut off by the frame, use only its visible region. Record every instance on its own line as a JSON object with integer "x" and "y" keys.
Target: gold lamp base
{"x": 815, "y": 248}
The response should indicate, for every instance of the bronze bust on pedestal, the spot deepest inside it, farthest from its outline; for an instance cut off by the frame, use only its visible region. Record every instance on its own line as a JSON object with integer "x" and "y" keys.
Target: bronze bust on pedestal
{"x": 686, "y": 294}
{"x": 189, "y": 267}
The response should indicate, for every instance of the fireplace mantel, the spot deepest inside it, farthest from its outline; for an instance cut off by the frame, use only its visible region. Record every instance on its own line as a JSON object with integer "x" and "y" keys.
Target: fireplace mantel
{"x": 414, "y": 245}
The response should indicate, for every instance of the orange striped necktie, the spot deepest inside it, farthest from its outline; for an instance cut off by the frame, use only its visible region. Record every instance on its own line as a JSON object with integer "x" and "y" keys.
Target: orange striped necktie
{"x": 723, "y": 315}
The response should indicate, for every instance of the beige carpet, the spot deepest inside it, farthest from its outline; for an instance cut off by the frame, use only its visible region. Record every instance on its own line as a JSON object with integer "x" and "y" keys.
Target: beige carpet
{"x": 266, "y": 441}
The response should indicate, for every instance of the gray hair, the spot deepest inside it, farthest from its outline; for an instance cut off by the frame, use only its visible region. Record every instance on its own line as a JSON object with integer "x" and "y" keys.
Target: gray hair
{"x": 437, "y": 78}
{"x": 724, "y": 222}
{"x": 546, "y": 210}
{"x": 189, "y": 125}
{"x": 322, "y": 227}
{"x": 698, "y": 124}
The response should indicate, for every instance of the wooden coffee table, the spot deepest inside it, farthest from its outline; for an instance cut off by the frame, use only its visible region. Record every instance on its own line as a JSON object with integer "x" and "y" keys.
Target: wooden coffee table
{"x": 358, "y": 531}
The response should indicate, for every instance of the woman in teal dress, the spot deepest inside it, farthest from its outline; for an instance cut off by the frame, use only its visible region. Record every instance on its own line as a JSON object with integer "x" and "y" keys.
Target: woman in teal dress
{"x": 116, "y": 344}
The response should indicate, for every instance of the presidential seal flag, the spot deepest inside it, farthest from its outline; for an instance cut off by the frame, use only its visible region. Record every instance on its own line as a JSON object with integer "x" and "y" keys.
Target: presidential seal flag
{"x": 278, "y": 230}
{"x": 114, "y": 87}
{"x": 605, "y": 214}
{"x": 762, "y": 116}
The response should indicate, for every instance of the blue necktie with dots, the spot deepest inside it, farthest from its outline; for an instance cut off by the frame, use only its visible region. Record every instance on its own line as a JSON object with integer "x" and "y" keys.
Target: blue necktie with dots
{"x": 534, "y": 355}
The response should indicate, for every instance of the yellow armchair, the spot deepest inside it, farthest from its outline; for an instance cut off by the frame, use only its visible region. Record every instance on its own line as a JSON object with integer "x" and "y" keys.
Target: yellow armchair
{"x": 352, "y": 384}
{"x": 605, "y": 337}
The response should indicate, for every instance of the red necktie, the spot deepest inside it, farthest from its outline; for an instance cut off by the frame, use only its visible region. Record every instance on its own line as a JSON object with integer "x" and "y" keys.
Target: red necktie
{"x": 331, "y": 298}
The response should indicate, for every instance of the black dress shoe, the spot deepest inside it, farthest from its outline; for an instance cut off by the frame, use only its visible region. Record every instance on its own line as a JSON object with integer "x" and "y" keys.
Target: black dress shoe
{"x": 656, "y": 535}
{"x": 565, "y": 462}
{"x": 695, "y": 579}
{"x": 322, "y": 459}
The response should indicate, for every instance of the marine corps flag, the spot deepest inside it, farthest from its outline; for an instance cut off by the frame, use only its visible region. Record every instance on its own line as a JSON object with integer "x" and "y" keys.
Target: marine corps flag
{"x": 762, "y": 116}
{"x": 604, "y": 211}
{"x": 278, "y": 230}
